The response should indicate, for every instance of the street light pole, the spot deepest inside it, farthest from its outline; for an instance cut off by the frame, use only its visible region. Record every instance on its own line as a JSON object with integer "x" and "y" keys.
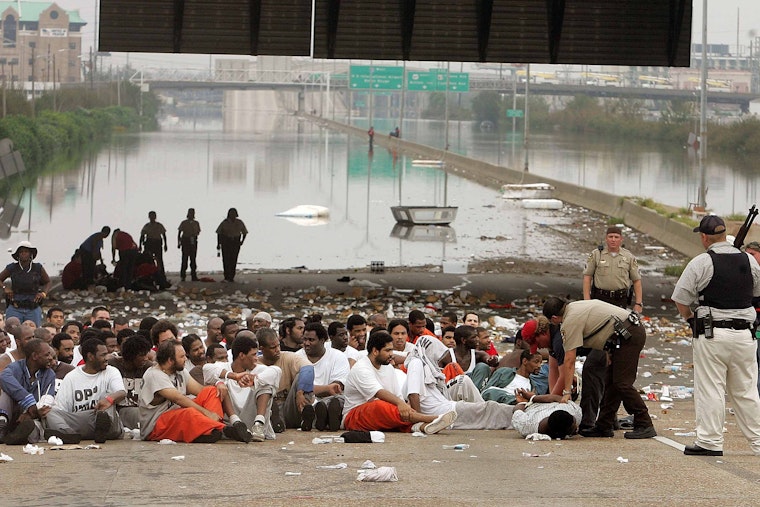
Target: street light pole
{"x": 34, "y": 61}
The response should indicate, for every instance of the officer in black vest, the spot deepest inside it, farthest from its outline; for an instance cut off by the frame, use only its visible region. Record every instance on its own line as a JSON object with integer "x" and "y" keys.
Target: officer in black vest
{"x": 721, "y": 283}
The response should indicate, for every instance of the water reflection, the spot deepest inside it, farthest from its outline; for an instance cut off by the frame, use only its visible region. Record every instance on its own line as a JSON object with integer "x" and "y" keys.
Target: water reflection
{"x": 434, "y": 233}
{"x": 282, "y": 163}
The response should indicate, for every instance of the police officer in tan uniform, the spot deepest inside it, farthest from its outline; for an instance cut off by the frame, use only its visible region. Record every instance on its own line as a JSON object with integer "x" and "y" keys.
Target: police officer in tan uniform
{"x": 610, "y": 273}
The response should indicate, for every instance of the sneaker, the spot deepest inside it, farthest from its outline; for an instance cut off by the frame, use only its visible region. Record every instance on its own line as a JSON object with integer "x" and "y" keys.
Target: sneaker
{"x": 238, "y": 431}
{"x": 647, "y": 432}
{"x": 334, "y": 414}
{"x": 20, "y": 435}
{"x": 3, "y": 427}
{"x": 66, "y": 438}
{"x": 307, "y": 418}
{"x": 321, "y": 416}
{"x": 102, "y": 427}
{"x": 257, "y": 432}
{"x": 210, "y": 438}
{"x": 278, "y": 423}
{"x": 441, "y": 422}
{"x": 596, "y": 432}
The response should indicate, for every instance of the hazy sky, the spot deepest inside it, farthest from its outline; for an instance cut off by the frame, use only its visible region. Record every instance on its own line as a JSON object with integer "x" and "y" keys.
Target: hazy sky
{"x": 721, "y": 29}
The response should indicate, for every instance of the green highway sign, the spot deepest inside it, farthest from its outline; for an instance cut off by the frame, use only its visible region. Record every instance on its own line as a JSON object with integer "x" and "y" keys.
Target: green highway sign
{"x": 421, "y": 82}
{"x": 435, "y": 81}
{"x": 514, "y": 113}
{"x": 459, "y": 82}
{"x": 366, "y": 77}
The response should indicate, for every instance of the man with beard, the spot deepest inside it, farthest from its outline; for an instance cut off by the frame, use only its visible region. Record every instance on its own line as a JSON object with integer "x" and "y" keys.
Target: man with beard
{"x": 62, "y": 346}
{"x": 85, "y": 406}
{"x": 291, "y": 335}
{"x": 166, "y": 411}
{"x": 373, "y": 396}
{"x": 23, "y": 383}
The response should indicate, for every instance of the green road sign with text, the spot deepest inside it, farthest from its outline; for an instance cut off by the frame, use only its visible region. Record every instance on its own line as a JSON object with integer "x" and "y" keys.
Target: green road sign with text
{"x": 514, "y": 113}
{"x": 435, "y": 81}
{"x": 366, "y": 77}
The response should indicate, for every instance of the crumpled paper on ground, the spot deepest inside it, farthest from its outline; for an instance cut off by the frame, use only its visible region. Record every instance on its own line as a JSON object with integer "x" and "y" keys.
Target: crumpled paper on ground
{"x": 33, "y": 449}
{"x": 4, "y": 458}
{"x": 538, "y": 436}
{"x": 382, "y": 474}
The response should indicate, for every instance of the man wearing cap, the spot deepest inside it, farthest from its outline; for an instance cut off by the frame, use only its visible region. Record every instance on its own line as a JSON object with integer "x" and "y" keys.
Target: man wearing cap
{"x": 256, "y": 322}
{"x": 601, "y": 326}
{"x": 29, "y": 284}
{"x": 611, "y": 271}
{"x": 187, "y": 240}
{"x": 721, "y": 284}
{"x": 230, "y": 236}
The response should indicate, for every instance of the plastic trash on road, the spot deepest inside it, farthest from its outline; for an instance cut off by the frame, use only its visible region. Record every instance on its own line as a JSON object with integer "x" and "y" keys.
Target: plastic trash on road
{"x": 382, "y": 474}
{"x": 457, "y": 447}
{"x": 33, "y": 449}
{"x": 178, "y": 458}
{"x": 339, "y": 466}
{"x": 4, "y": 457}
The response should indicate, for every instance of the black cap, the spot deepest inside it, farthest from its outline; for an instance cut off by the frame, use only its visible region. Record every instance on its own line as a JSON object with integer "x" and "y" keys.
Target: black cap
{"x": 711, "y": 225}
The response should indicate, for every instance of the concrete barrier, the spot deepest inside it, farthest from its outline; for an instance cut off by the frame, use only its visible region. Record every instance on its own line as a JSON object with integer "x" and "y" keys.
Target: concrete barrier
{"x": 669, "y": 232}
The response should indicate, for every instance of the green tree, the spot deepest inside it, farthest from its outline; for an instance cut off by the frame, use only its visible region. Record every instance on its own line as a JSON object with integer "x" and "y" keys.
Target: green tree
{"x": 487, "y": 106}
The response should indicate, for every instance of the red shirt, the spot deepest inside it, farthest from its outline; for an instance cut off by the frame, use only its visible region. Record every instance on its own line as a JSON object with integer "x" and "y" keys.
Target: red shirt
{"x": 123, "y": 241}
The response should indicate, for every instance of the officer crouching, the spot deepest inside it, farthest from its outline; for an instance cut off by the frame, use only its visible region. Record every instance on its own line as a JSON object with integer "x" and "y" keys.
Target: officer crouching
{"x": 720, "y": 283}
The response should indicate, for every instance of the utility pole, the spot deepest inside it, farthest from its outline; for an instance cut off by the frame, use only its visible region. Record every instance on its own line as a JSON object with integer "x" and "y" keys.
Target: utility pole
{"x": 703, "y": 114}
{"x": 33, "y": 62}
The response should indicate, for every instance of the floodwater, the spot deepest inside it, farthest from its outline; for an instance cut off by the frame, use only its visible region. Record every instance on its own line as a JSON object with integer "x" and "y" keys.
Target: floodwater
{"x": 282, "y": 163}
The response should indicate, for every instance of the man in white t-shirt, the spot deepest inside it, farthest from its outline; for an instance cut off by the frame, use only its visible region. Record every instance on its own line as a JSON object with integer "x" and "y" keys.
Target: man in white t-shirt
{"x": 330, "y": 372}
{"x": 166, "y": 412}
{"x": 373, "y": 396}
{"x": 427, "y": 392}
{"x": 85, "y": 405}
{"x": 251, "y": 385}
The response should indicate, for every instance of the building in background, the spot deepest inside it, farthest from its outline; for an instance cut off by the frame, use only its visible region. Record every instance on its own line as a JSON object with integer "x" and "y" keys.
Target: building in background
{"x": 42, "y": 44}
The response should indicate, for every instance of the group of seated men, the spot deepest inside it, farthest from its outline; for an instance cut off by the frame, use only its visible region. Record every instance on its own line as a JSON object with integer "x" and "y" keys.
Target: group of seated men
{"x": 79, "y": 382}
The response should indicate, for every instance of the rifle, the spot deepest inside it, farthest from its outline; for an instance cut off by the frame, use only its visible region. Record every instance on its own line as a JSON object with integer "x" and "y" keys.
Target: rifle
{"x": 744, "y": 229}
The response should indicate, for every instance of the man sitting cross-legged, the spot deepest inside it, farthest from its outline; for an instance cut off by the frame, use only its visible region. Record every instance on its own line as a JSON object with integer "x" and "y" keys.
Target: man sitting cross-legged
{"x": 251, "y": 385}
{"x": 167, "y": 413}
{"x": 373, "y": 397}
{"x": 85, "y": 405}
{"x": 23, "y": 383}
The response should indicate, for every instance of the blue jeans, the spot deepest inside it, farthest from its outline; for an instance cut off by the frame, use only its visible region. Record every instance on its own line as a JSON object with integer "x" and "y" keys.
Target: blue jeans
{"x": 33, "y": 314}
